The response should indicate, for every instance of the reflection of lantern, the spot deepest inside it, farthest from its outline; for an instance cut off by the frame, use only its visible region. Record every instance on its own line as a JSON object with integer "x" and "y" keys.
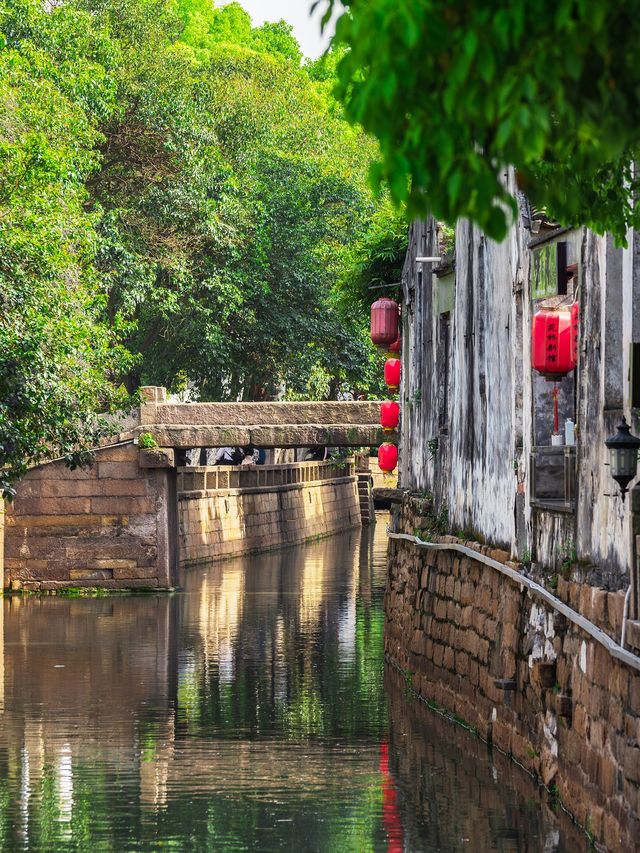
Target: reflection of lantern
{"x": 554, "y": 342}
{"x": 623, "y": 455}
{"x": 384, "y": 321}
{"x": 387, "y": 457}
{"x": 389, "y": 415}
{"x": 392, "y": 371}
{"x": 395, "y": 346}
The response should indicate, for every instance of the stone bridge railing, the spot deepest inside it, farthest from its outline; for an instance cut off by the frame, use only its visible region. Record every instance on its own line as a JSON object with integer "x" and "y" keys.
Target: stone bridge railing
{"x": 260, "y": 476}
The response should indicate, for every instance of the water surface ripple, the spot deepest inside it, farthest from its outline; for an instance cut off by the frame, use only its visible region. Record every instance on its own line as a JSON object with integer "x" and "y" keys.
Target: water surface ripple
{"x": 248, "y": 712}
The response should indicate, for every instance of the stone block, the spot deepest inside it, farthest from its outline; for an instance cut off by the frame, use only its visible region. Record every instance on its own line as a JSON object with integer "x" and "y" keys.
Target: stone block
{"x": 137, "y": 572}
{"x": 631, "y": 767}
{"x": 123, "y": 504}
{"x": 157, "y": 457}
{"x": 50, "y": 506}
{"x": 117, "y": 470}
{"x": 90, "y": 574}
{"x": 543, "y": 673}
{"x": 615, "y": 608}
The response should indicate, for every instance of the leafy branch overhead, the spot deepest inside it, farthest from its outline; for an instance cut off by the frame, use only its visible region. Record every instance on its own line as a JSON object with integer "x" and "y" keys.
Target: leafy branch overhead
{"x": 457, "y": 92}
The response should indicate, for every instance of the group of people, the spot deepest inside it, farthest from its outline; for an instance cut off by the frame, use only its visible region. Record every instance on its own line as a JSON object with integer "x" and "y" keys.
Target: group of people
{"x": 248, "y": 455}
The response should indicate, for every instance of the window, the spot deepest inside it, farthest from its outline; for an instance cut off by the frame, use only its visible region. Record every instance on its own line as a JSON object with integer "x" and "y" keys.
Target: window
{"x": 553, "y": 478}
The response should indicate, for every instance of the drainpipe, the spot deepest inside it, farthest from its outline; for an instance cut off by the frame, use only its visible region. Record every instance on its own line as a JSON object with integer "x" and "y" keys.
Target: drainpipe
{"x": 632, "y": 598}
{"x": 625, "y": 611}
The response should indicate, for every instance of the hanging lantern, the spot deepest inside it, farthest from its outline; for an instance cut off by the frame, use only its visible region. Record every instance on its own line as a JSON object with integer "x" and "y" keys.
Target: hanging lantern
{"x": 389, "y": 415}
{"x": 392, "y": 373}
{"x": 554, "y": 342}
{"x": 387, "y": 457}
{"x": 395, "y": 346}
{"x": 384, "y": 321}
{"x": 623, "y": 455}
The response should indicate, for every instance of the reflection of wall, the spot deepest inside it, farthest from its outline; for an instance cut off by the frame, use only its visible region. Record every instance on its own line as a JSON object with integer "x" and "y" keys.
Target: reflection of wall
{"x": 275, "y": 619}
{"x": 82, "y": 675}
{"x": 464, "y": 791}
{"x": 221, "y": 523}
{"x": 99, "y": 659}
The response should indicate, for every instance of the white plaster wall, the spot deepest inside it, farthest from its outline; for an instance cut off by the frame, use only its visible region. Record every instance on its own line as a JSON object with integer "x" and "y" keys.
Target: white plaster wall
{"x": 480, "y": 469}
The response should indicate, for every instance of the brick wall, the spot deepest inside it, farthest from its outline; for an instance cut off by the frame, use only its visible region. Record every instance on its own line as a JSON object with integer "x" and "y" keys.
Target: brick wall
{"x": 223, "y": 522}
{"x": 529, "y": 680}
{"x": 112, "y": 525}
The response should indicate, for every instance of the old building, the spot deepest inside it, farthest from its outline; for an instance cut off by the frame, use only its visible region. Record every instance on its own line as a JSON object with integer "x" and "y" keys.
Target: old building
{"x": 478, "y": 419}
{"x": 512, "y": 553}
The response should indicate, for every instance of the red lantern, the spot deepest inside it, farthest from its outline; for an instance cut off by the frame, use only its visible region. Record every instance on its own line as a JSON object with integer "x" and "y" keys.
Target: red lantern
{"x": 395, "y": 346}
{"x": 392, "y": 372}
{"x": 554, "y": 342}
{"x": 387, "y": 457}
{"x": 389, "y": 415}
{"x": 384, "y": 321}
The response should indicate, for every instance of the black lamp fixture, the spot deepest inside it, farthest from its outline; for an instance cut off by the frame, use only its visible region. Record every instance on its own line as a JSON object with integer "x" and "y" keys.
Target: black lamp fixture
{"x": 623, "y": 456}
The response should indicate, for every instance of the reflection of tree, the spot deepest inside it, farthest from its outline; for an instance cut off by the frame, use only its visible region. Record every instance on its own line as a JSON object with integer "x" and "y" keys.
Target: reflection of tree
{"x": 263, "y": 739}
{"x": 307, "y": 654}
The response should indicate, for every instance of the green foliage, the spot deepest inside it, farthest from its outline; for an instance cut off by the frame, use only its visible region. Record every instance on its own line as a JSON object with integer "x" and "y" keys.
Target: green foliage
{"x": 55, "y": 358}
{"x": 456, "y": 93}
{"x": 232, "y": 218}
{"x": 147, "y": 441}
{"x": 181, "y": 203}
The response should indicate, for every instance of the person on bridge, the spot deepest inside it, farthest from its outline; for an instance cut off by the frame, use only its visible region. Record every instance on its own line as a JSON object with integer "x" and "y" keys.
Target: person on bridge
{"x": 253, "y": 455}
{"x": 229, "y": 456}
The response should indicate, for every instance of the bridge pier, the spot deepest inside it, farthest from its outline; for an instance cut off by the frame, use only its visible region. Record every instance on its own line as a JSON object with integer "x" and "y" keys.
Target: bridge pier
{"x": 113, "y": 525}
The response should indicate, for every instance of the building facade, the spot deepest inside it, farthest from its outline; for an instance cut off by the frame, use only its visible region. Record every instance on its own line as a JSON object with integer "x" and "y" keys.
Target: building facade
{"x": 510, "y": 600}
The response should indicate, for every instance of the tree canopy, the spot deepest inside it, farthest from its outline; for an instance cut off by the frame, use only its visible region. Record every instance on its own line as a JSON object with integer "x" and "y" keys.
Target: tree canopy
{"x": 182, "y": 203}
{"x": 457, "y": 92}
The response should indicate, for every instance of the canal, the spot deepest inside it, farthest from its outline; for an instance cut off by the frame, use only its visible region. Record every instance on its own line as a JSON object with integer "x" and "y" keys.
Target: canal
{"x": 248, "y": 712}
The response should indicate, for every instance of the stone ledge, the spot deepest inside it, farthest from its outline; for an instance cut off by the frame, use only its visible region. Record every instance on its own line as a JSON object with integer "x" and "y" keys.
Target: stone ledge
{"x": 267, "y": 436}
{"x": 352, "y": 412}
{"x": 257, "y": 490}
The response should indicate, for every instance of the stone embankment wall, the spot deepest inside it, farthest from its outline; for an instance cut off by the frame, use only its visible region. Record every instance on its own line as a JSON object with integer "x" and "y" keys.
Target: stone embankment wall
{"x": 112, "y": 525}
{"x": 225, "y": 512}
{"x": 529, "y": 680}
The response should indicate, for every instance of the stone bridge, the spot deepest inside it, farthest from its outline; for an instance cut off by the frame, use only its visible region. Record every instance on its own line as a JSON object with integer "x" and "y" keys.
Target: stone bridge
{"x": 134, "y": 515}
{"x": 268, "y": 425}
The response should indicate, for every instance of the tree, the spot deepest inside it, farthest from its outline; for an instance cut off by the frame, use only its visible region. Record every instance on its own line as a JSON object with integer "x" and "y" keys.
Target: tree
{"x": 181, "y": 199}
{"x": 56, "y": 358}
{"x": 457, "y": 92}
{"x": 232, "y": 194}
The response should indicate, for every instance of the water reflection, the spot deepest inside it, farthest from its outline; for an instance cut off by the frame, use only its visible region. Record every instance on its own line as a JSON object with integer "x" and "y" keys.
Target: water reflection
{"x": 246, "y": 713}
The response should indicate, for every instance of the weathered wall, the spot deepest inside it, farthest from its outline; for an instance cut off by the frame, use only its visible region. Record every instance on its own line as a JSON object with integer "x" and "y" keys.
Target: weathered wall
{"x": 473, "y": 409}
{"x": 216, "y": 523}
{"x": 460, "y": 380}
{"x": 112, "y": 525}
{"x": 572, "y": 712}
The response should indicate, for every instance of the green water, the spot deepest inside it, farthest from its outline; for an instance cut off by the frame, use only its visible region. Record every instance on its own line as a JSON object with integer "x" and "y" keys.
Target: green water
{"x": 249, "y": 712}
